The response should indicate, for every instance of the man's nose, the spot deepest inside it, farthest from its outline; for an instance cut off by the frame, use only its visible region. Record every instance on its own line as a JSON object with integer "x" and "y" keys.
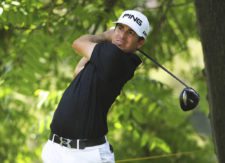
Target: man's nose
{"x": 123, "y": 34}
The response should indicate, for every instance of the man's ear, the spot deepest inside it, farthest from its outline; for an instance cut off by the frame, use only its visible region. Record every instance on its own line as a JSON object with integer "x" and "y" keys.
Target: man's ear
{"x": 140, "y": 43}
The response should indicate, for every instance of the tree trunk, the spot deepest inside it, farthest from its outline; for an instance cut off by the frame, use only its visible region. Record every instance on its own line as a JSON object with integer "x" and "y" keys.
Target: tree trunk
{"x": 211, "y": 21}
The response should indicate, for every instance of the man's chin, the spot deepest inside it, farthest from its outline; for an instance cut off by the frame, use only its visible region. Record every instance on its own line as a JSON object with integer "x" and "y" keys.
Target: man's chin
{"x": 119, "y": 46}
{"x": 122, "y": 48}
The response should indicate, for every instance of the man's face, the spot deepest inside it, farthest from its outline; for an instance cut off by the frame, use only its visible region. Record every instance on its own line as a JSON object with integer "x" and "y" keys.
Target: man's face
{"x": 126, "y": 39}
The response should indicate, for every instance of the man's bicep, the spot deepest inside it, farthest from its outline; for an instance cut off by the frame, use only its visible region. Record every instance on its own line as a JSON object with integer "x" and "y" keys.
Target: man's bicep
{"x": 84, "y": 46}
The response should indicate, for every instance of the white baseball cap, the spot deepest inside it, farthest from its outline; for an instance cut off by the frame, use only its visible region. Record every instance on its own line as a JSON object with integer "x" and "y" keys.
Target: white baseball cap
{"x": 136, "y": 21}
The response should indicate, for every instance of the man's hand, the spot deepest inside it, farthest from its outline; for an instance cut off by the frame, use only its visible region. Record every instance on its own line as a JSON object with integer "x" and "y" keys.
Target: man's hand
{"x": 108, "y": 35}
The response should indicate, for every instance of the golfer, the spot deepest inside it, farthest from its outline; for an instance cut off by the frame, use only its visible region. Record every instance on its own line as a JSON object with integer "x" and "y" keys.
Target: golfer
{"x": 79, "y": 125}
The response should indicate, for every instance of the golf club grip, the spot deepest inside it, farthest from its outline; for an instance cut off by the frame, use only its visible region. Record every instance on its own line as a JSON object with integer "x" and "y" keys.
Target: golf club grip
{"x": 154, "y": 61}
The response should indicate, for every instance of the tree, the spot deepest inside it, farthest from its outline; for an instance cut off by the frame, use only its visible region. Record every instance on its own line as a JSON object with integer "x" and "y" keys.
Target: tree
{"x": 212, "y": 31}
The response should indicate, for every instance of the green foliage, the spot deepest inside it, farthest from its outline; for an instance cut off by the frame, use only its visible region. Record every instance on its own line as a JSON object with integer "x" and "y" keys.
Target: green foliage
{"x": 37, "y": 64}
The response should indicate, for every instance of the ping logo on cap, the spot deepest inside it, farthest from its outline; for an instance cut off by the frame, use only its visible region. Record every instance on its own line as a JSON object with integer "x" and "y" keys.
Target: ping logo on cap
{"x": 136, "y": 19}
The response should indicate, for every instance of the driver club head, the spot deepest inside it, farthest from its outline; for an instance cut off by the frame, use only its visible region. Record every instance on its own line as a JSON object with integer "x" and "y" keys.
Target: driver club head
{"x": 189, "y": 99}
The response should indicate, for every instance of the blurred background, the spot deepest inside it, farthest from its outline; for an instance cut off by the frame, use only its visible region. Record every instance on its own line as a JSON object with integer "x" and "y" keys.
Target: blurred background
{"x": 37, "y": 64}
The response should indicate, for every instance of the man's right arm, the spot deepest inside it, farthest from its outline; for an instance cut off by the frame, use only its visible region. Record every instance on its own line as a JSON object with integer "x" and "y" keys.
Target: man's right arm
{"x": 80, "y": 66}
{"x": 85, "y": 44}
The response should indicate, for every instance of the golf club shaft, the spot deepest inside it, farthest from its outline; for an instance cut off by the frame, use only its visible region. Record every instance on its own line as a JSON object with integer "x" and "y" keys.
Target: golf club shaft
{"x": 154, "y": 61}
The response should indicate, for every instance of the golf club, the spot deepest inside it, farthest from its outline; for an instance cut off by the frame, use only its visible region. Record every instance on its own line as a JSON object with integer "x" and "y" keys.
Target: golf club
{"x": 189, "y": 98}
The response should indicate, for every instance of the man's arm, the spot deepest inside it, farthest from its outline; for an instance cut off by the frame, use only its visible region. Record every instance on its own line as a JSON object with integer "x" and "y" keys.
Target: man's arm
{"x": 85, "y": 44}
{"x": 80, "y": 66}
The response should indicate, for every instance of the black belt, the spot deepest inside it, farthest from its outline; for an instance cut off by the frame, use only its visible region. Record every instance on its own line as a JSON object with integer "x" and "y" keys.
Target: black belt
{"x": 76, "y": 143}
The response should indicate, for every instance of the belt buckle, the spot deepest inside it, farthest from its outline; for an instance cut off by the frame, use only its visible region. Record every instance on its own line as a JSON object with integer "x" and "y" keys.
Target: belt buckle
{"x": 65, "y": 142}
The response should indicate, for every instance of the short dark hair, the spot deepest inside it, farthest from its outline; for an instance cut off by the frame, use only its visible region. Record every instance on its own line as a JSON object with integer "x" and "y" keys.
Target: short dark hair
{"x": 140, "y": 38}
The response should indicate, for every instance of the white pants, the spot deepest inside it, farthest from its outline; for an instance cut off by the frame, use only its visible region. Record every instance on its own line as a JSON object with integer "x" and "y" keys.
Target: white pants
{"x": 55, "y": 153}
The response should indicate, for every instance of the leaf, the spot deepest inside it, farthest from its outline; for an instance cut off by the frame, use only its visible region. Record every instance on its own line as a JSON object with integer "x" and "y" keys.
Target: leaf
{"x": 157, "y": 143}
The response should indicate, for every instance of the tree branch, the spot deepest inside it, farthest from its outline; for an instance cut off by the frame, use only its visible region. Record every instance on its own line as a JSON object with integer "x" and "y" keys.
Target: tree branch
{"x": 161, "y": 20}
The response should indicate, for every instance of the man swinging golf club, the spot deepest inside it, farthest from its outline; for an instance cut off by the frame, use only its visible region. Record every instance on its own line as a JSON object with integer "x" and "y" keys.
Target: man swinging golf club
{"x": 79, "y": 125}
